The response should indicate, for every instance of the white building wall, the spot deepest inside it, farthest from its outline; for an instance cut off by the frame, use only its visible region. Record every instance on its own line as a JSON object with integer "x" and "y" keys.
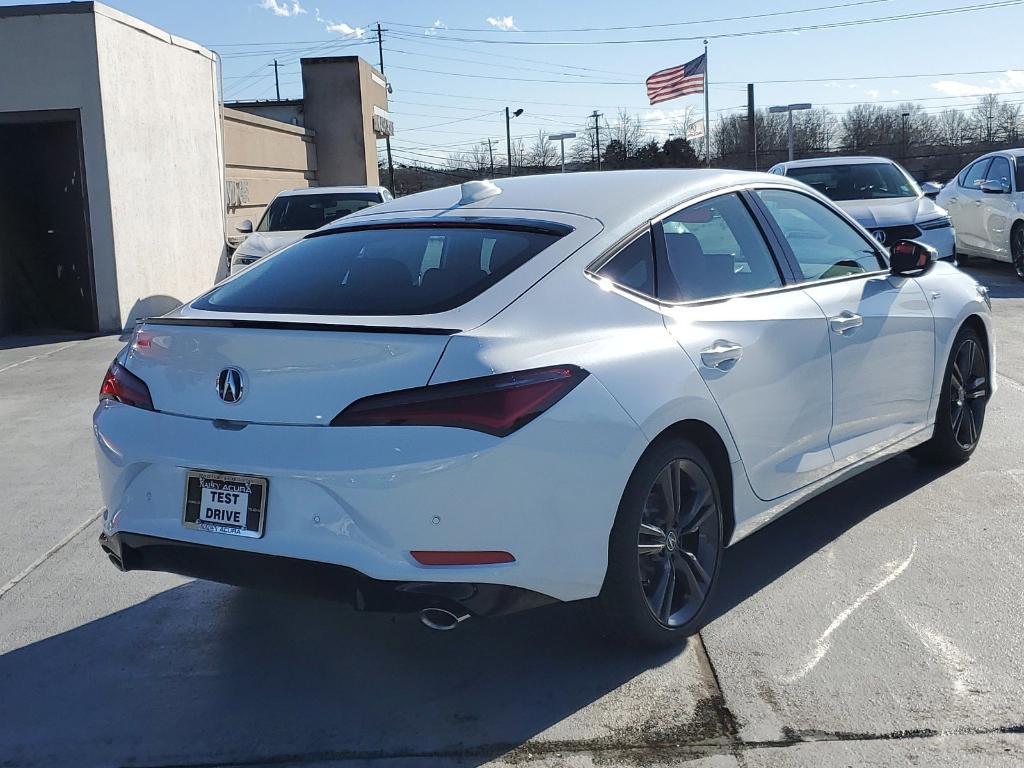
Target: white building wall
{"x": 165, "y": 162}
{"x": 50, "y": 64}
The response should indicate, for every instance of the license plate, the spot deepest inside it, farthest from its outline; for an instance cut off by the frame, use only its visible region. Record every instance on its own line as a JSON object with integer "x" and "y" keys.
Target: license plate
{"x": 219, "y": 503}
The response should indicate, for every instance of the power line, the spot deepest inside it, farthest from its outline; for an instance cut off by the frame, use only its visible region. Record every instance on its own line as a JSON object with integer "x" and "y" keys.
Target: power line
{"x": 508, "y": 40}
{"x": 440, "y": 32}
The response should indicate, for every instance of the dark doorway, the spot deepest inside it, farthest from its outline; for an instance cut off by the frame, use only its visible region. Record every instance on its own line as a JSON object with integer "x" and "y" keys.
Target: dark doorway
{"x": 46, "y": 280}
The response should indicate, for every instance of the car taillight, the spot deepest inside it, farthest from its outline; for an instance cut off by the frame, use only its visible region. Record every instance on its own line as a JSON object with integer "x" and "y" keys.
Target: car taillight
{"x": 125, "y": 387}
{"x": 497, "y": 405}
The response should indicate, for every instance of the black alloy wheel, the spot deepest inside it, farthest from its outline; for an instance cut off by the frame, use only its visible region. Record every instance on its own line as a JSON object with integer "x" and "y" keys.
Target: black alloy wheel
{"x": 1017, "y": 250}
{"x": 677, "y": 543}
{"x": 968, "y": 393}
{"x": 665, "y": 548}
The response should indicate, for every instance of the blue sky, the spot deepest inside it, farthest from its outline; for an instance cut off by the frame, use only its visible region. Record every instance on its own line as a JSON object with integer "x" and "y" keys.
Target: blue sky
{"x": 426, "y": 105}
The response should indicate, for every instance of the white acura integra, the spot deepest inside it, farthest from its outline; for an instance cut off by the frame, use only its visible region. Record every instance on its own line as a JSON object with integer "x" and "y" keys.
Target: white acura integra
{"x": 475, "y": 400}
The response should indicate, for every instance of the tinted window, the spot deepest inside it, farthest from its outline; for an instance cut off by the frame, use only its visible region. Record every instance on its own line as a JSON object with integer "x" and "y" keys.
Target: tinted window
{"x": 715, "y": 249}
{"x": 1019, "y": 168}
{"x": 312, "y": 211}
{"x": 859, "y": 181}
{"x": 975, "y": 174}
{"x": 633, "y": 266}
{"x": 408, "y": 271}
{"x": 999, "y": 171}
{"x": 824, "y": 244}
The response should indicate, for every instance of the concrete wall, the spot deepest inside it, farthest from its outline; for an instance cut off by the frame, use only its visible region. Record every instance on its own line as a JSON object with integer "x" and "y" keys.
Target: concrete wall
{"x": 50, "y": 63}
{"x": 263, "y": 157}
{"x": 165, "y": 162}
{"x": 284, "y": 111}
{"x": 339, "y": 94}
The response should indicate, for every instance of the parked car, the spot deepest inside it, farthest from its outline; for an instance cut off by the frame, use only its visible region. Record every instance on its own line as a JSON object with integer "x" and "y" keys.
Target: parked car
{"x": 295, "y": 213}
{"x": 475, "y": 400}
{"x": 986, "y": 203}
{"x": 881, "y": 196}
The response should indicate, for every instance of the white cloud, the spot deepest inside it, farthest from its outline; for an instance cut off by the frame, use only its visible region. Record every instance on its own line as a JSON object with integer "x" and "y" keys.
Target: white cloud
{"x": 506, "y": 23}
{"x": 1012, "y": 81}
{"x": 339, "y": 27}
{"x": 433, "y": 28}
{"x": 872, "y": 94}
{"x": 283, "y": 7}
{"x": 895, "y": 92}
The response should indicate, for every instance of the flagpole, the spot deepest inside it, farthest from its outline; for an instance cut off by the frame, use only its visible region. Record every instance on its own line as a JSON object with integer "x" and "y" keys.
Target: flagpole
{"x": 707, "y": 109}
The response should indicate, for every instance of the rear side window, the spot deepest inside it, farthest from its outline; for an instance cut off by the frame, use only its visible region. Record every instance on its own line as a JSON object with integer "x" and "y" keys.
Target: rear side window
{"x": 715, "y": 249}
{"x": 633, "y": 266}
{"x": 399, "y": 271}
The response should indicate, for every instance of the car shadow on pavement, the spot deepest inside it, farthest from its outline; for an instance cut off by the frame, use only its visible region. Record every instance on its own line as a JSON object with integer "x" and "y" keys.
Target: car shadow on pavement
{"x": 998, "y": 277}
{"x": 207, "y": 674}
{"x": 764, "y": 556}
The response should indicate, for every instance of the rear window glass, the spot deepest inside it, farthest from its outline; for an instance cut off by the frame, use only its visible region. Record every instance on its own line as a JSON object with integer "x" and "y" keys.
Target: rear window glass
{"x": 406, "y": 271}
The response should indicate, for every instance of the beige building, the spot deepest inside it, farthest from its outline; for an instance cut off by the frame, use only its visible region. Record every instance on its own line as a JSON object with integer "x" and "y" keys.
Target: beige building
{"x": 327, "y": 138}
{"x": 122, "y": 173}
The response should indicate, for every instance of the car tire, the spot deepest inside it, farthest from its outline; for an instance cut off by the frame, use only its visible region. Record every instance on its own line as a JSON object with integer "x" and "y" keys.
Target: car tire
{"x": 657, "y": 557}
{"x": 1017, "y": 249}
{"x": 962, "y": 259}
{"x": 966, "y": 386}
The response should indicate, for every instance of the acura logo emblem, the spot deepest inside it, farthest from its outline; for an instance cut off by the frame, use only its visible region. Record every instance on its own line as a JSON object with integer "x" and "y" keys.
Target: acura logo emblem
{"x": 229, "y": 385}
{"x": 879, "y": 235}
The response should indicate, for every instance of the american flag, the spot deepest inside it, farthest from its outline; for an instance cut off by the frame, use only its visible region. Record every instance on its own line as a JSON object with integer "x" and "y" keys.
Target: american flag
{"x": 678, "y": 81}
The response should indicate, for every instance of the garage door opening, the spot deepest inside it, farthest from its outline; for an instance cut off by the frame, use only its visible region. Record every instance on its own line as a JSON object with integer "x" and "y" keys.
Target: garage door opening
{"x": 46, "y": 278}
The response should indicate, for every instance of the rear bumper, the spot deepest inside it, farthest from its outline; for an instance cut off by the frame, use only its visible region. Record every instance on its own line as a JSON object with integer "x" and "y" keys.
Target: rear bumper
{"x": 135, "y": 552}
{"x": 364, "y": 498}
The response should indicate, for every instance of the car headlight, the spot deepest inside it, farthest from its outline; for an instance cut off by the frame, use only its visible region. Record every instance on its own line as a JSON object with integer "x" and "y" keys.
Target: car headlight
{"x": 940, "y": 223}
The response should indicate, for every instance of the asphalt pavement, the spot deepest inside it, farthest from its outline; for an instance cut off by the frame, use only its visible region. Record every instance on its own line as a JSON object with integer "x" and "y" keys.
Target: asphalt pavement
{"x": 879, "y": 624}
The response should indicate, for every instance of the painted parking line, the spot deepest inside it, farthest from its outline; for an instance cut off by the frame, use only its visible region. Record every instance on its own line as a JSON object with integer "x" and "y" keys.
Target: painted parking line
{"x": 40, "y": 356}
{"x": 48, "y": 554}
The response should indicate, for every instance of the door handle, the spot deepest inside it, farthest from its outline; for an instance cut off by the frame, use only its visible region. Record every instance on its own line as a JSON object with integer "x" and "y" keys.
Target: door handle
{"x": 722, "y": 355}
{"x": 845, "y": 322}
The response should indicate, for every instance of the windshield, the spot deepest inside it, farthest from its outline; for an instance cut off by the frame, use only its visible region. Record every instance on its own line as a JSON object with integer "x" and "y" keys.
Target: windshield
{"x": 862, "y": 181}
{"x": 311, "y": 211}
{"x": 407, "y": 271}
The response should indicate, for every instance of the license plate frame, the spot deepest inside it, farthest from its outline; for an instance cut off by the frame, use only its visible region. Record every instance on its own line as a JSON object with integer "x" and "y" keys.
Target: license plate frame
{"x": 256, "y": 507}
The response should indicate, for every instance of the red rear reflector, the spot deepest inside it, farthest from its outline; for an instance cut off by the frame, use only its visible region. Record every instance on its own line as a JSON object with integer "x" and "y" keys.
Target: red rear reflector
{"x": 497, "y": 405}
{"x": 125, "y": 387}
{"x": 462, "y": 558}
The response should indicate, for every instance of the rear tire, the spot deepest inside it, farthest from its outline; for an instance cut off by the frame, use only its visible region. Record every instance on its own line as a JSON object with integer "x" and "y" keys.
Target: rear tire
{"x": 960, "y": 417}
{"x": 1017, "y": 249}
{"x": 665, "y": 548}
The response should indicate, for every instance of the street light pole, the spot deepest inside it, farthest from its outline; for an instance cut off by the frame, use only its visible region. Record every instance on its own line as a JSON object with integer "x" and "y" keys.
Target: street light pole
{"x": 508, "y": 134}
{"x": 790, "y": 109}
{"x": 561, "y": 137}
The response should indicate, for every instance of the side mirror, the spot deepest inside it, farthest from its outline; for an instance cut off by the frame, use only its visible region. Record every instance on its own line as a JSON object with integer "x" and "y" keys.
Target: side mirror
{"x": 909, "y": 257}
{"x": 931, "y": 189}
{"x": 245, "y": 227}
{"x": 993, "y": 187}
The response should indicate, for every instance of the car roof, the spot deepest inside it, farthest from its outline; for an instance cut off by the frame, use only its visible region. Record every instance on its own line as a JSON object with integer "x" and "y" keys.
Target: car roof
{"x": 328, "y": 190}
{"x": 609, "y": 196}
{"x": 840, "y": 160}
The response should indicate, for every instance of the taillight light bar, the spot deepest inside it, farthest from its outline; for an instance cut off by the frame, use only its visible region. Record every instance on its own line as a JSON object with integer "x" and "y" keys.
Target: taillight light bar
{"x": 122, "y": 385}
{"x": 497, "y": 405}
{"x": 449, "y": 557}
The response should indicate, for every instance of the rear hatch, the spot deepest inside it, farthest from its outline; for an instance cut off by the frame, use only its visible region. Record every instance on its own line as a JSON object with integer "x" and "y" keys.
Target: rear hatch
{"x": 288, "y": 374}
{"x": 336, "y": 317}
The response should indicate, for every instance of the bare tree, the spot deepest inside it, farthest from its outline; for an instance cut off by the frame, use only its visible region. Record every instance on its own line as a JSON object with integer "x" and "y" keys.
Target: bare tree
{"x": 952, "y": 128}
{"x": 1008, "y": 122}
{"x": 983, "y": 117}
{"x": 542, "y": 153}
{"x": 628, "y": 130}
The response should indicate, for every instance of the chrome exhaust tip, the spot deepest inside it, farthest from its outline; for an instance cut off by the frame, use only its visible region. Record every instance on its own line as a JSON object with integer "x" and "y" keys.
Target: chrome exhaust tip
{"x": 441, "y": 619}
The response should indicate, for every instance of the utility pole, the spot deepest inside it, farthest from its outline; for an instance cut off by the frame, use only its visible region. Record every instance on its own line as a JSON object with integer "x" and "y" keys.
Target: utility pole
{"x": 490, "y": 151}
{"x": 751, "y": 123}
{"x": 277, "y": 81}
{"x": 906, "y": 144}
{"x": 597, "y": 137}
{"x": 387, "y": 139}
